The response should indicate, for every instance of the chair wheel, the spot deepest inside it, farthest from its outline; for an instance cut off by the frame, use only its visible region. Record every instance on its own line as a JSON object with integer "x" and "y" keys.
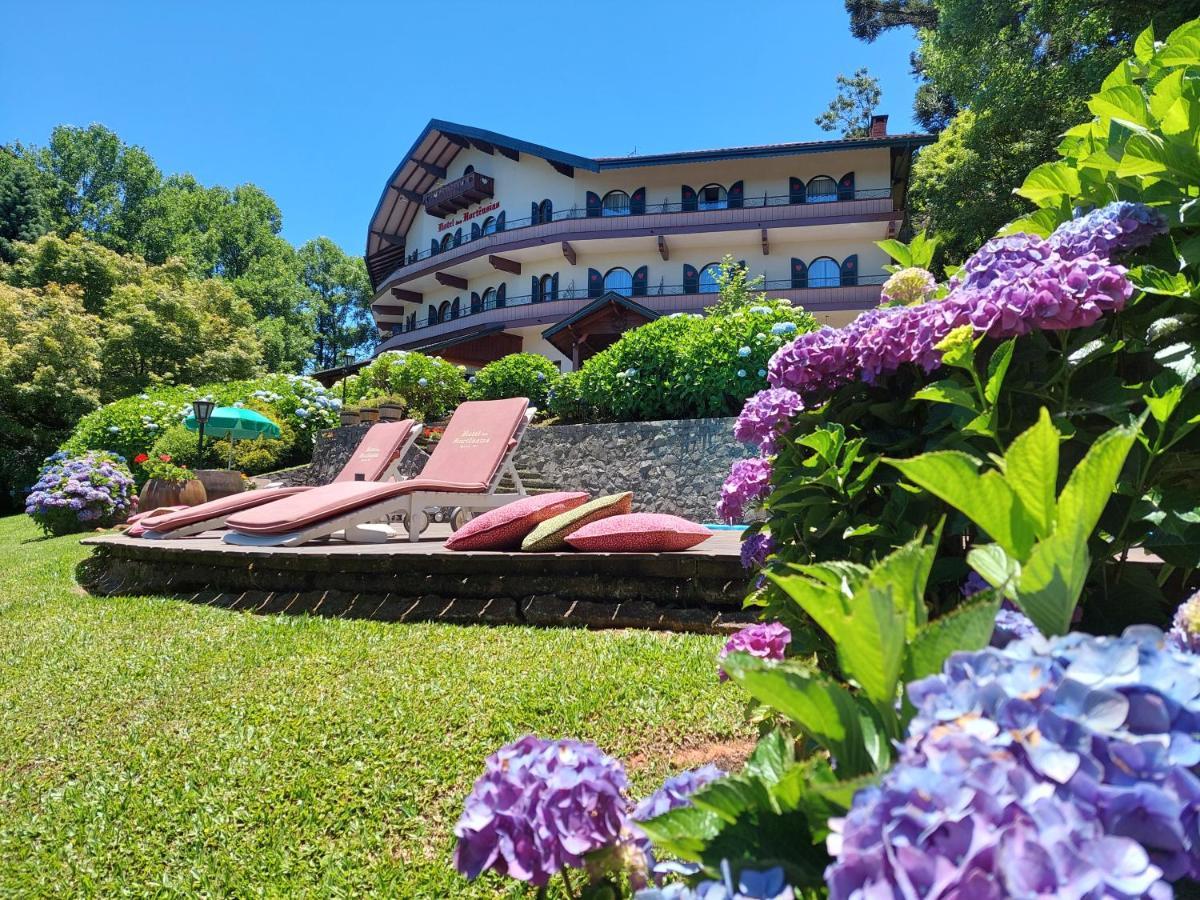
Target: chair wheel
{"x": 459, "y": 517}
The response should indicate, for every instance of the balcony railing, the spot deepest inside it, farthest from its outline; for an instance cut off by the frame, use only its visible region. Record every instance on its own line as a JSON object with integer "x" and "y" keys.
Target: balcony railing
{"x": 458, "y": 194}
{"x": 843, "y": 295}
{"x": 652, "y": 209}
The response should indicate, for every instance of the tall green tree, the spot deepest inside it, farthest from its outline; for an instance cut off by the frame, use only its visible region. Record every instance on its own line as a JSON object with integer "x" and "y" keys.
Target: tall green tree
{"x": 851, "y": 109}
{"x": 23, "y": 215}
{"x": 338, "y": 297}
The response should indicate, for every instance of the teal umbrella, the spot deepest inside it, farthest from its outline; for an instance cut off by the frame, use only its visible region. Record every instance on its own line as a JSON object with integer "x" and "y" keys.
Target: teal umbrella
{"x": 234, "y": 423}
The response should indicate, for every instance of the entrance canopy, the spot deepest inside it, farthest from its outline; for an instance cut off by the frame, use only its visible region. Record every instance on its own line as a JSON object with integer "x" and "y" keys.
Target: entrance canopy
{"x": 595, "y": 327}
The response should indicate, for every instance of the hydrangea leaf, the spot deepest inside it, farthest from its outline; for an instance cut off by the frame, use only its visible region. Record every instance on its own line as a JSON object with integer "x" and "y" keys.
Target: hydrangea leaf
{"x": 1143, "y": 45}
{"x": 997, "y": 568}
{"x": 1048, "y": 182}
{"x": 1052, "y": 579}
{"x": 1182, "y": 46}
{"x": 948, "y": 391}
{"x": 997, "y": 369}
{"x": 897, "y": 250}
{"x": 1092, "y": 482}
{"x": 969, "y": 627}
{"x": 684, "y": 832}
{"x": 1031, "y": 470}
{"x": 1125, "y": 103}
{"x": 1154, "y": 280}
{"x": 822, "y": 598}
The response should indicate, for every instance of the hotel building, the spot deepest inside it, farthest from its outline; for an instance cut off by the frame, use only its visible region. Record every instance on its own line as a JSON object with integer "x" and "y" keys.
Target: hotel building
{"x": 484, "y": 245}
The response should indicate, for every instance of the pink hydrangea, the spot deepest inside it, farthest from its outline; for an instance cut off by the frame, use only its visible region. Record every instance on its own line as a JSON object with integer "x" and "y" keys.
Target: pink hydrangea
{"x": 766, "y": 640}
{"x": 765, "y": 416}
{"x": 749, "y": 480}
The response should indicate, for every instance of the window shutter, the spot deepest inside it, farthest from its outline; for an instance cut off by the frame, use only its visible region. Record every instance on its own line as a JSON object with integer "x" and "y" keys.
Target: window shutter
{"x": 845, "y": 187}
{"x": 457, "y": 236}
{"x": 475, "y": 231}
{"x": 500, "y": 221}
{"x": 434, "y": 246}
{"x": 850, "y": 270}
{"x": 799, "y": 274}
{"x": 431, "y": 316}
{"x": 554, "y": 287}
{"x": 455, "y": 308}
{"x": 535, "y": 292}
{"x": 691, "y": 279}
{"x": 534, "y": 216}
{"x": 595, "y": 284}
{"x": 640, "y": 277}
{"x": 688, "y": 195}
{"x": 501, "y": 295}
{"x": 637, "y": 202}
{"x": 795, "y": 190}
{"x": 593, "y": 204}
{"x": 742, "y": 265}
{"x": 736, "y": 195}
{"x": 476, "y": 303}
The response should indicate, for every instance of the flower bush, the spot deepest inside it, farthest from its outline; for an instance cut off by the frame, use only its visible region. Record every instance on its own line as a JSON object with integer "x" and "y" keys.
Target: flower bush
{"x": 301, "y": 406}
{"x": 160, "y": 468}
{"x": 429, "y": 386}
{"x": 516, "y": 375}
{"x": 89, "y": 490}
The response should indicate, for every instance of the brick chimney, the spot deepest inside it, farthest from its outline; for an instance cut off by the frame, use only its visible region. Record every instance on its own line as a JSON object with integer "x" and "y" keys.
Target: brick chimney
{"x": 879, "y": 126}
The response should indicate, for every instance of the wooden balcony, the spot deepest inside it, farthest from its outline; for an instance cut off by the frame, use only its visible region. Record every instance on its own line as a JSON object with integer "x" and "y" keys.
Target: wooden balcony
{"x": 459, "y": 194}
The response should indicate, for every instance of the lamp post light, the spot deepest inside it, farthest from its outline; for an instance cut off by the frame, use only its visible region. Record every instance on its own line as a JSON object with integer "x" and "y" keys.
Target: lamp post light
{"x": 203, "y": 410}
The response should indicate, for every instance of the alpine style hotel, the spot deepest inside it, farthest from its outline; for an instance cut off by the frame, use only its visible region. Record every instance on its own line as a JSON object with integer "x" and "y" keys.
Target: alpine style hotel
{"x": 484, "y": 245}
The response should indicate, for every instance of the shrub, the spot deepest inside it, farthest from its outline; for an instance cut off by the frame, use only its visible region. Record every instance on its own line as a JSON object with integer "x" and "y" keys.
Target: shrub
{"x": 515, "y": 375}
{"x": 429, "y": 386}
{"x": 73, "y": 493}
{"x": 564, "y": 399}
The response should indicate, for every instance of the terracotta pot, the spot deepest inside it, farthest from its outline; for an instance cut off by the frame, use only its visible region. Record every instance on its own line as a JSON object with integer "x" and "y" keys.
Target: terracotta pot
{"x": 220, "y": 483}
{"x": 157, "y": 493}
{"x": 389, "y": 412}
{"x": 349, "y": 417}
{"x": 368, "y": 414}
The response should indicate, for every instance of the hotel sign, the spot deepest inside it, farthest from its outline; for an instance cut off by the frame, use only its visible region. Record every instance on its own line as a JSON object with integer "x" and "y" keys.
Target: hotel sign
{"x": 467, "y": 217}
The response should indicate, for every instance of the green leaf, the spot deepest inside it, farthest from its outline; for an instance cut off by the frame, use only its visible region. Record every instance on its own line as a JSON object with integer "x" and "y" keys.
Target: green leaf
{"x": 969, "y": 627}
{"x": 896, "y": 250}
{"x": 997, "y": 369}
{"x": 1161, "y": 407}
{"x": 823, "y": 709}
{"x": 997, "y": 568}
{"x": 1182, "y": 47}
{"x": 1031, "y": 470}
{"x": 1048, "y": 182}
{"x": 824, "y": 602}
{"x": 985, "y": 499}
{"x": 1143, "y": 46}
{"x": 684, "y": 832}
{"x": 1145, "y": 154}
{"x": 1154, "y": 280}
{"x": 1091, "y": 484}
{"x": 1124, "y": 103}
{"x": 1053, "y": 578}
{"x": 772, "y": 757}
{"x": 948, "y": 391}
{"x": 1041, "y": 222}
{"x": 1181, "y": 359}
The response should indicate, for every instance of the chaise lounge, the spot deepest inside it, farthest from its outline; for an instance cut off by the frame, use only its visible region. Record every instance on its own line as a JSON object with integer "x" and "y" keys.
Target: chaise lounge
{"x": 464, "y": 471}
{"x": 375, "y": 460}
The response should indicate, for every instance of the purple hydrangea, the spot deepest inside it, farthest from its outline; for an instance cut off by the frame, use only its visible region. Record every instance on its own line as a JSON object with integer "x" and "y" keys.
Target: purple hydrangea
{"x": 1185, "y": 629}
{"x": 974, "y": 584}
{"x": 766, "y": 640}
{"x": 541, "y": 806}
{"x": 750, "y": 884}
{"x": 676, "y": 792}
{"x": 756, "y": 549}
{"x": 765, "y": 416}
{"x": 73, "y": 492}
{"x": 1012, "y": 625}
{"x": 1085, "y": 746}
{"x": 749, "y": 480}
{"x": 1012, "y": 256}
{"x": 1109, "y": 230}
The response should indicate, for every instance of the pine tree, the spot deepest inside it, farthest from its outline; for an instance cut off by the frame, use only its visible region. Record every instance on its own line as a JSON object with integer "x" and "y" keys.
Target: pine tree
{"x": 22, "y": 216}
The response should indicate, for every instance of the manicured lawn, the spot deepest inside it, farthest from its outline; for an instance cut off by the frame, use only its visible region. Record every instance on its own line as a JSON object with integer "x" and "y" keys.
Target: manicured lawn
{"x": 152, "y": 746}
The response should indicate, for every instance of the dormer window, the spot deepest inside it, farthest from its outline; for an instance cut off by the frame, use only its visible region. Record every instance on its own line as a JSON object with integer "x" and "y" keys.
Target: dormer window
{"x": 468, "y": 170}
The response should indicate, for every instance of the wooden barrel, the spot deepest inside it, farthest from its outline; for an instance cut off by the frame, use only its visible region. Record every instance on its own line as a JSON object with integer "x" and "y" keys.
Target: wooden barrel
{"x": 349, "y": 417}
{"x": 368, "y": 414}
{"x": 156, "y": 493}
{"x": 391, "y": 412}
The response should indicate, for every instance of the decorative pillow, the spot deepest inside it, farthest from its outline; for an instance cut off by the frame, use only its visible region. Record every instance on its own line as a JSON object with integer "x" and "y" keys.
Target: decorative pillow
{"x": 639, "y": 533}
{"x": 551, "y": 534}
{"x": 504, "y": 527}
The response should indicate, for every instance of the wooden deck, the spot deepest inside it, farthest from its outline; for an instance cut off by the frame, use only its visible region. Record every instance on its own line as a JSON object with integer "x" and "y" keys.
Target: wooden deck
{"x": 695, "y": 590}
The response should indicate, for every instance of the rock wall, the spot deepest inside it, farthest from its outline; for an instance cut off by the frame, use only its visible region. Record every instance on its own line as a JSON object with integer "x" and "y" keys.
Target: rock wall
{"x": 673, "y": 466}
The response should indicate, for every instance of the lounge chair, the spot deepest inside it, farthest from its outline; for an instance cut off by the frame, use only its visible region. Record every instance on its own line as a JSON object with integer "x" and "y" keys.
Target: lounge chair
{"x": 464, "y": 471}
{"x": 375, "y": 460}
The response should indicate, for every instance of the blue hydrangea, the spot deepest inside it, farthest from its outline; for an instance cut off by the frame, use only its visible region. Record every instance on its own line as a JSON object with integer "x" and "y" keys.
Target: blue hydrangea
{"x": 743, "y": 352}
{"x": 782, "y": 328}
{"x": 1116, "y": 228}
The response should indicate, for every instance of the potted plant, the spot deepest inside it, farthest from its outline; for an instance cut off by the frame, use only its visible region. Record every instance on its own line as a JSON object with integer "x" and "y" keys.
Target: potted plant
{"x": 168, "y": 484}
{"x": 349, "y": 416}
{"x": 369, "y": 414}
{"x": 392, "y": 407}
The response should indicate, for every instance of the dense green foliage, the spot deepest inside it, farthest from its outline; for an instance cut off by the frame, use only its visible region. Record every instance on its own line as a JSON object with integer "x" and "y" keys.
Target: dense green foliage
{"x": 684, "y": 366}
{"x": 516, "y": 375}
{"x": 1005, "y": 78}
{"x": 427, "y": 386}
{"x": 851, "y": 108}
{"x": 135, "y": 731}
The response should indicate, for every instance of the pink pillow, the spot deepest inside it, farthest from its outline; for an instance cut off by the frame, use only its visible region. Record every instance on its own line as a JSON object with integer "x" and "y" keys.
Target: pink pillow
{"x": 504, "y": 528}
{"x": 639, "y": 533}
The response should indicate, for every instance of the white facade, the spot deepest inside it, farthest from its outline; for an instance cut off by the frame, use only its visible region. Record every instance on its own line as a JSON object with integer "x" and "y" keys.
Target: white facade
{"x": 452, "y": 297}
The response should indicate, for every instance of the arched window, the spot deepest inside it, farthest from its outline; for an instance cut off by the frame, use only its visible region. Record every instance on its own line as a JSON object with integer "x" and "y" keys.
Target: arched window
{"x": 546, "y": 211}
{"x": 444, "y": 311}
{"x": 489, "y": 299}
{"x": 454, "y": 307}
{"x": 489, "y": 225}
{"x": 431, "y": 316}
{"x": 447, "y": 241}
{"x": 709, "y": 278}
{"x": 821, "y": 189}
{"x": 615, "y": 203}
{"x": 468, "y": 170}
{"x": 712, "y": 196}
{"x": 619, "y": 281}
{"x": 546, "y": 288}
{"x": 824, "y": 272}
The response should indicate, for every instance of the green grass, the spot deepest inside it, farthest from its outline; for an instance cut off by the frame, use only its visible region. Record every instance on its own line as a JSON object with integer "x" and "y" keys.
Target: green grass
{"x": 151, "y": 746}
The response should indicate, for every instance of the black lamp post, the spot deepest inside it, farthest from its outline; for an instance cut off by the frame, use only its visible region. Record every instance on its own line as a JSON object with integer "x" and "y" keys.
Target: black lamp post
{"x": 203, "y": 410}
{"x": 345, "y": 362}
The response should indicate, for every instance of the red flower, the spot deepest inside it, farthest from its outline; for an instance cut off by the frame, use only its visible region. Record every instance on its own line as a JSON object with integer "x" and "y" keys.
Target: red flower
{"x": 140, "y": 458}
{"x": 165, "y": 457}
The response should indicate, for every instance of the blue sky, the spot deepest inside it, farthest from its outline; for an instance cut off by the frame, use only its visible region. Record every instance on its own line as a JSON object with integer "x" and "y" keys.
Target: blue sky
{"x": 317, "y": 102}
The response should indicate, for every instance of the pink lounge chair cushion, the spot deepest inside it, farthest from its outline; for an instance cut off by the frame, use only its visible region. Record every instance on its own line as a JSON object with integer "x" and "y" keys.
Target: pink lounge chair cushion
{"x": 216, "y": 509}
{"x": 137, "y": 529}
{"x": 639, "y": 533}
{"x": 316, "y": 505}
{"x": 376, "y": 451}
{"x": 505, "y": 527}
{"x": 477, "y": 438}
